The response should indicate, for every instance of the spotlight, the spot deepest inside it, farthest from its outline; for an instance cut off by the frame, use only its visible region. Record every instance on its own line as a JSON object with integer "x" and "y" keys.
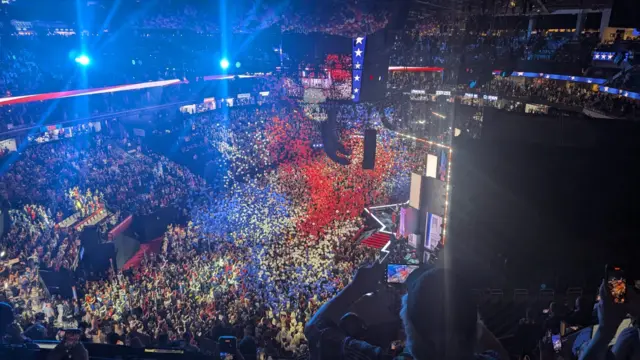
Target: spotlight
{"x": 2, "y": 254}
{"x": 83, "y": 60}
{"x": 238, "y": 64}
{"x": 224, "y": 64}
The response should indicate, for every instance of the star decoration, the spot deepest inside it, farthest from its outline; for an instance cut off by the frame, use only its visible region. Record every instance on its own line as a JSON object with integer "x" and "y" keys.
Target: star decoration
{"x": 356, "y": 78}
{"x": 358, "y": 65}
{"x": 358, "y": 52}
{"x": 355, "y": 90}
{"x": 359, "y": 40}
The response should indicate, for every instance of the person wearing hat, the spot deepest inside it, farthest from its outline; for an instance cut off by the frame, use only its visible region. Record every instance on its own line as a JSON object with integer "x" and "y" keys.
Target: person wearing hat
{"x": 439, "y": 317}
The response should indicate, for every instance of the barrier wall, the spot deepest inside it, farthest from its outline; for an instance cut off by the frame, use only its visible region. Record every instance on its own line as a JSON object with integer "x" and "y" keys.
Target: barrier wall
{"x": 121, "y": 227}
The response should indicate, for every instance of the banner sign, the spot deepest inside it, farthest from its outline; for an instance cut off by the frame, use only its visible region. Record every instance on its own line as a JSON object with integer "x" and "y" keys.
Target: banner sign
{"x": 357, "y": 55}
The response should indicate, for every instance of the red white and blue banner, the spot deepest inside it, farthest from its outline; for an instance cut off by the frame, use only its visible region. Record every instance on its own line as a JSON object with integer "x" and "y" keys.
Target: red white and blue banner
{"x": 357, "y": 55}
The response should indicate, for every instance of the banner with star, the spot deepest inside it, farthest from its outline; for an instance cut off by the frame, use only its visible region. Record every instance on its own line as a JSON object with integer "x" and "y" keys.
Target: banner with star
{"x": 358, "y": 64}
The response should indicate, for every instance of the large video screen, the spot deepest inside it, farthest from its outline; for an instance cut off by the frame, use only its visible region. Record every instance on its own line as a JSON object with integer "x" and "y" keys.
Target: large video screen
{"x": 316, "y": 83}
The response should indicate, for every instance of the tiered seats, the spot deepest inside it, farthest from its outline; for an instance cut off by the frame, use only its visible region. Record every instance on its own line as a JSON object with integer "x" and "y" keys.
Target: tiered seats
{"x": 501, "y": 312}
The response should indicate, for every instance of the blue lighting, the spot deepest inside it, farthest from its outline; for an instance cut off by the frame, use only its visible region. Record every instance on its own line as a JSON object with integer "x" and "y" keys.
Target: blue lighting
{"x": 83, "y": 60}
{"x": 224, "y": 64}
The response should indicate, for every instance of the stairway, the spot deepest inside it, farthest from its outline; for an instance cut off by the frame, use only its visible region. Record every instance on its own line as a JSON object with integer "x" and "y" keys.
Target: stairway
{"x": 377, "y": 240}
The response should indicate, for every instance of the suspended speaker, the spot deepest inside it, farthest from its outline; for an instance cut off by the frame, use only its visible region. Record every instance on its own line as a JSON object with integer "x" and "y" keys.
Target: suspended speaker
{"x": 369, "y": 158}
{"x": 332, "y": 146}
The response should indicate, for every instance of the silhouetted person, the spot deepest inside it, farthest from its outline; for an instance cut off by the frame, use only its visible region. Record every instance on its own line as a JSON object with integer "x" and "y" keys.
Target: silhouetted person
{"x": 247, "y": 346}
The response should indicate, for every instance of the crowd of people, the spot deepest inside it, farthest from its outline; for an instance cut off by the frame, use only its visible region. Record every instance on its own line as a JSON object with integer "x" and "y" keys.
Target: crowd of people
{"x": 572, "y": 95}
{"x": 34, "y": 239}
{"x": 268, "y": 246}
{"x": 240, "y": 271}
{"x": 131, "y": 183}
{"x": 543, "y": 91}
{"x": 201, "y": 287}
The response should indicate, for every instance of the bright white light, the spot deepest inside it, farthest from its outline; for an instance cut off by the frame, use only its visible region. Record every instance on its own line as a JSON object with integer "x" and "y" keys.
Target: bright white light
{"x": 224, "y": 64}
{"x": 83, "y": 60}
{"x": 2, "y": 254}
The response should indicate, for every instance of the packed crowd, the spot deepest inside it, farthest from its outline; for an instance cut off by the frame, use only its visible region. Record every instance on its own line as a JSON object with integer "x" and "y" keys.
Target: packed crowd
{"x": 34, "y": 239}
{"x": 203, "y": 287}
{"x": 445, "y": 45}
{"x": 438, "y": 41}
{"x": 132, "y": 183}
{"x": 543, "y": 91}
{"x": 263, "y": 252}
{"x": 573, "y": 95}
{"x": 242, "y": 276}
{"x": 549, "y": 91}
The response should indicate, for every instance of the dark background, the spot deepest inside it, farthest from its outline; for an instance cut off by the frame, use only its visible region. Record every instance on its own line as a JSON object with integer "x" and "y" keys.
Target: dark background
{"x": 625, "y": 13}
{"x": 525, "y": 214}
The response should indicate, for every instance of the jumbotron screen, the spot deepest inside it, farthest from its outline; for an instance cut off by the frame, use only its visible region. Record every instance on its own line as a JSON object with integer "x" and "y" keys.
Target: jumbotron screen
{"x": 316, "y": 83}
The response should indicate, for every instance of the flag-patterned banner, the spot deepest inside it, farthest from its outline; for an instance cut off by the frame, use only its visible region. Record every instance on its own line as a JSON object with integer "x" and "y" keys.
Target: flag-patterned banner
{"x": 358, "y": 64}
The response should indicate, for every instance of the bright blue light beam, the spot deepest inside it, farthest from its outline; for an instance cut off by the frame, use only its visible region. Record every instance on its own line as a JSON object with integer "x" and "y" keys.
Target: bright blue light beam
{"x": 83, "y": 60}
{"x": 224, "y": 64}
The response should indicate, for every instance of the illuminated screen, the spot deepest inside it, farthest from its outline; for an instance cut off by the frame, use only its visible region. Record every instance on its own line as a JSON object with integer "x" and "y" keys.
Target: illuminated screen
{"x": 444, "y": 164}
{"x": 414, "y": 195}
{"x": 434, "y": 231}
{"x": 397, "y": 274}
{"x": 432, "y": 166}
{"x": 319, "y": 82}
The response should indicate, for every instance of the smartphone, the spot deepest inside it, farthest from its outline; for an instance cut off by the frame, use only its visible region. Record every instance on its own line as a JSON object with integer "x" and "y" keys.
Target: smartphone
{"x": 71, "y": 337}
{"x": 557, "y": 342}
{"x": 616, "y": 283}
{"x": 398, "y": 273}
{"x": 227, "y": 346}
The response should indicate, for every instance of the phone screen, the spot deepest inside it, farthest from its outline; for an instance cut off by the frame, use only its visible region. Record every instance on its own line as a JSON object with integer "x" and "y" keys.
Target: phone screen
{"x": 227, "y": 346}
{"x": 398, "y": 274}
{"x": 617, "y": 284}
{"x": 557, "y": 342}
